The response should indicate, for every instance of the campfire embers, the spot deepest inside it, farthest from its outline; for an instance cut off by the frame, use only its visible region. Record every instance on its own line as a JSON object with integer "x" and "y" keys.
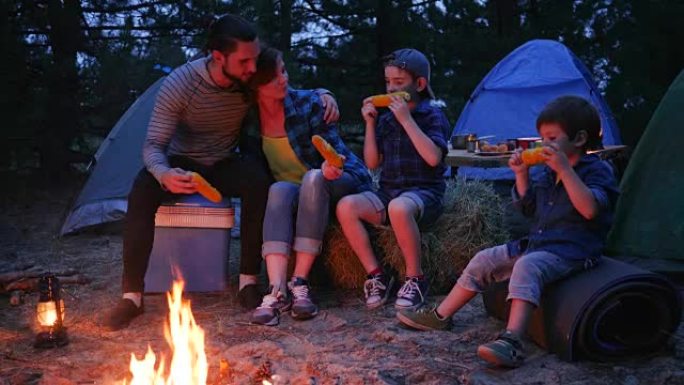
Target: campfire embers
{"x": 186, "y": 340}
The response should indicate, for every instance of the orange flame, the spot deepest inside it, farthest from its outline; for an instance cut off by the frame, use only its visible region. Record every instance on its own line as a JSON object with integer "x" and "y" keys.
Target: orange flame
{"x": 186, "y": 339}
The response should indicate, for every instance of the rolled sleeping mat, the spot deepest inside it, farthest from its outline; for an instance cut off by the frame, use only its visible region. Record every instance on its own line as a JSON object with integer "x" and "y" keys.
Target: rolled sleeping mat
{"x": 612, "y": 311}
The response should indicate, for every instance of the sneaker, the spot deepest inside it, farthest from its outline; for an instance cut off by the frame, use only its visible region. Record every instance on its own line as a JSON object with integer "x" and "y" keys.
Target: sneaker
{"x": 412, "y": 294}
{"x": 377, "y": 290}
{"x": 303, "y": 306}
{"x": 507, "y": 350}
{"x": 250, "y": 296}
{"x": 274, "y": 303}
{"x": 425, "y": 318}
{"x": 122, "y": 315}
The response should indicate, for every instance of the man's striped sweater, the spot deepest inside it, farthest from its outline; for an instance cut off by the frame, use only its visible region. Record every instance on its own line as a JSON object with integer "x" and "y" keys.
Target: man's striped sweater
{"x": 193, "y": 117}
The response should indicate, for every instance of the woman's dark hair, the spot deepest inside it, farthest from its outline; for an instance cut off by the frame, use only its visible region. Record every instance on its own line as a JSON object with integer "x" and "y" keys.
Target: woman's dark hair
{"x": 267, "y": 66}
{"x": 226, "y": 31}
{"x": 573, "y": 114}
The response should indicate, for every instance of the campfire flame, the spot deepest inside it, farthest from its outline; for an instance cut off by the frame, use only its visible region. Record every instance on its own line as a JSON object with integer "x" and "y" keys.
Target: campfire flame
{"x": 186, "y": 339}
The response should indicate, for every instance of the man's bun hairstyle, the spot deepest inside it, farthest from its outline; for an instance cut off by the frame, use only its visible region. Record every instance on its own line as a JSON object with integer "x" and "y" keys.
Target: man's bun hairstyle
{"x": 226, "y": 30}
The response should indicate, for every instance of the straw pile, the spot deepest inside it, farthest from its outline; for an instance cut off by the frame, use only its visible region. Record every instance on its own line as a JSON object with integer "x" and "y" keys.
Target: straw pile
{"x": 472, "y": 220}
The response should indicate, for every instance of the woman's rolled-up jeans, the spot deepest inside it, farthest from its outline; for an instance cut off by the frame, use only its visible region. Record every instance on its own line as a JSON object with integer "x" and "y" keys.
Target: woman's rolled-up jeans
{"x": 297, "y": 215}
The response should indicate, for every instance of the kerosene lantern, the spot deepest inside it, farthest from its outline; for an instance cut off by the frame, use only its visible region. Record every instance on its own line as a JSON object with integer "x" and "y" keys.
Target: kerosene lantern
{"x": 50, "y": 314}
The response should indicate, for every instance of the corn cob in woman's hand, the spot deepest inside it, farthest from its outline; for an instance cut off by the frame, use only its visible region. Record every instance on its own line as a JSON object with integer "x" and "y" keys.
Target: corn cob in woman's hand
{"x": 327, "y": 151}
{"x": 206, "y": 189}
{"x": 385, "y": 100}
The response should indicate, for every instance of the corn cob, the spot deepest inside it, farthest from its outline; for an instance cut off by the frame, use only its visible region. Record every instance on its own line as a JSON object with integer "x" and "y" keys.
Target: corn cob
{"x": 385, "y": 100}
{"x": 206, "y": 189}
{"x": 327, "y": 151}
{"x": 532, "y": 156}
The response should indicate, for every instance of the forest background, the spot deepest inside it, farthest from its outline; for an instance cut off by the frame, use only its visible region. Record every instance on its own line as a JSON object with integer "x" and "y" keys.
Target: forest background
{"x": 71, "y": 68}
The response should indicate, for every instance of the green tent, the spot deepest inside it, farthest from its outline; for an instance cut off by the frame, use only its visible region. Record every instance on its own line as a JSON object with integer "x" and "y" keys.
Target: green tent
{"x": 648, "y": 229}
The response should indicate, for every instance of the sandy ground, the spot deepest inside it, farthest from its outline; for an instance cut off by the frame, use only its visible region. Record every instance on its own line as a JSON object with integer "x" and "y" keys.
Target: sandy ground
{"x": 345, "y": 344}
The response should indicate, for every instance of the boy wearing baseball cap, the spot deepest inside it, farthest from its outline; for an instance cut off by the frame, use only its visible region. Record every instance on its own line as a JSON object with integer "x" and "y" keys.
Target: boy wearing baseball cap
{"x": 409, "y": 143}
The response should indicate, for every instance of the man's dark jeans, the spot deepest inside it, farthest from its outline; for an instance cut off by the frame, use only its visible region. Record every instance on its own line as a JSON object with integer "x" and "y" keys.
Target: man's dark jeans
{"x": 238, "y": 176}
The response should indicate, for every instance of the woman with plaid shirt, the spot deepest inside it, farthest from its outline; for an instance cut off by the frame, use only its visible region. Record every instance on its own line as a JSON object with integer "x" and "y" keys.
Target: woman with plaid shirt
{"x": 306, "y": 186}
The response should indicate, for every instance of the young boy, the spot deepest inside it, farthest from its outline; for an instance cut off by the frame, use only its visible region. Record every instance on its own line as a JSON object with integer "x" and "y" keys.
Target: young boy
{"x": 409, "y": 143}
{"x": 571, "y": 201}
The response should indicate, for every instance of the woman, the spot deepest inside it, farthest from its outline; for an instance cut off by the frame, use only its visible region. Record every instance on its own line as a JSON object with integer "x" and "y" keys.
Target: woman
{"x": 306, "y": 186}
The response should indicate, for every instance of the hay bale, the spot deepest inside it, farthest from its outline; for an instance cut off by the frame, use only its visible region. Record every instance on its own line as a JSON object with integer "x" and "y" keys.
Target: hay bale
{"x": 344, "y": 269}
{"x": 472, "y": 220}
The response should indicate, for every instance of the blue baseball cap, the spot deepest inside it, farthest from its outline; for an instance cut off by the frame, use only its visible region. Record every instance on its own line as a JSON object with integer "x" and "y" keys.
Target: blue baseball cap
{"x": 411, "y": 60}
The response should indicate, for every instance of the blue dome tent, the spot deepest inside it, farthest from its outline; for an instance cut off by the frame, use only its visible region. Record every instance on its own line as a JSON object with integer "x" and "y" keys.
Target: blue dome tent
{"x": 508, "y": 100}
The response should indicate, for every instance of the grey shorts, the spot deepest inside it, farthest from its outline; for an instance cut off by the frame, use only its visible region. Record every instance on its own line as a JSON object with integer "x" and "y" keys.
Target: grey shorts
{"x": 528, "y": 273}
{"x": 429, "y": 204}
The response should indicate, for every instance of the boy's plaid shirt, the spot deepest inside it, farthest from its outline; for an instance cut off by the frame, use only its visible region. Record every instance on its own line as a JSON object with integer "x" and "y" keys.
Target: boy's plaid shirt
{"x": 402, "y": 165}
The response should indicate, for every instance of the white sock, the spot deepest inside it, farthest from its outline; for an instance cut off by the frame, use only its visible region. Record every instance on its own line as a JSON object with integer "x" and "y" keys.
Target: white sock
{"x": 135, "y": 297}
{"x": 246, "y": 279}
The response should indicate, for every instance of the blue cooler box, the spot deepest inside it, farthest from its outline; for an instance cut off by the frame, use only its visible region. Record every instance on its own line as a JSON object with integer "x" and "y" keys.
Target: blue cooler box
{"x": 191, "y": 235}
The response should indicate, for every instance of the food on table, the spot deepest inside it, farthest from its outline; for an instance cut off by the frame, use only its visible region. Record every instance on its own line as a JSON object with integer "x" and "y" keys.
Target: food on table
{"x": 486, "y": 147}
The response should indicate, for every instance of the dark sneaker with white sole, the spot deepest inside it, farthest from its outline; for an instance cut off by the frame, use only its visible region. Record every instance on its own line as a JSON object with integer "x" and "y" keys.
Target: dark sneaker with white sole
{"x": 303, "y": 306}
{"x": 377, "y": 289}
{"x": 507, "y": 351}
{"x": 272, "y": 305}
{"x": 412, "y": 294}
{"x": 122, "y": 314}
{"x": 250, "y": 296}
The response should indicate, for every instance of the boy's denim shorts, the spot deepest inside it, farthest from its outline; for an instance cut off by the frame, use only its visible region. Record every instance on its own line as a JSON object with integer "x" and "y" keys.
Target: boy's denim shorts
{"x": 528, "y": 273}
{"x": 429, "y": 204}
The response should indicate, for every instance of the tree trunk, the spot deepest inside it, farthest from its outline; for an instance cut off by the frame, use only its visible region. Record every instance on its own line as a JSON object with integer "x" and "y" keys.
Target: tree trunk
{"x": 505, "y": 17}
{"x": 384, "y": 39}
{"x": 61, "y": 126}
{"x": 285, "y": 27}
{"x": 15, "y": 79}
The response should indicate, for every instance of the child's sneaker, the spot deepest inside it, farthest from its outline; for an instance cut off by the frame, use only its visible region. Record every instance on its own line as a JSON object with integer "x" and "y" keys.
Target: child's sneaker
{"x": 274, "y": 303}
{"x": 412, "y": 294}
{"x": 507, "y": 350}
{"x": 377, "y": 289}
{"x": 425, "y": 318}
{"x": 303, "y": 306}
